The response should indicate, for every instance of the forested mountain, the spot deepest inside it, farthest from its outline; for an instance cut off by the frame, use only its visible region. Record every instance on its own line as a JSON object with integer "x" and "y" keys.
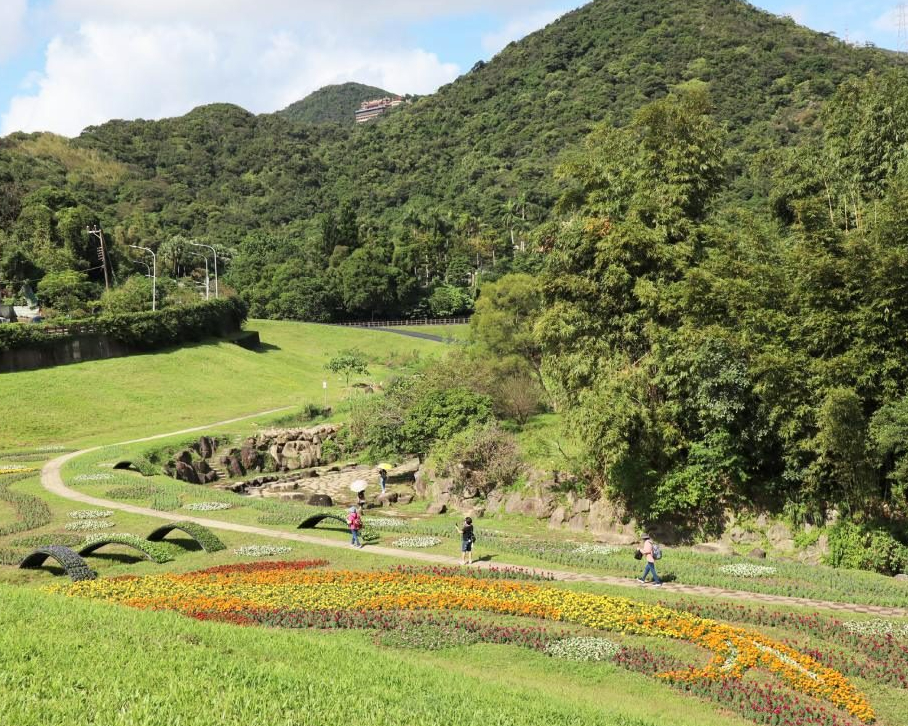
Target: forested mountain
{"x": 325, "y": 220}
{"x": 707, "y": 203}
{"x": 332, "y": 104}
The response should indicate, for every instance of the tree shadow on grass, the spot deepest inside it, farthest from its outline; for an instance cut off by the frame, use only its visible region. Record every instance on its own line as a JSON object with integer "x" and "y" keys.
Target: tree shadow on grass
{"x": 118, "y": 557}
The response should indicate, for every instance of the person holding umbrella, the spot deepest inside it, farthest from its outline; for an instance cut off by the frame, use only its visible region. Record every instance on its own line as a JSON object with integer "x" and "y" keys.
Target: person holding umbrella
{"x": 383, "y": 476}
{"x": 359, "y": 486}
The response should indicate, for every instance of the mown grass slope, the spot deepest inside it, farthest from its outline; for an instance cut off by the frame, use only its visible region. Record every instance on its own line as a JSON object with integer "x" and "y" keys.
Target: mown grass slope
{"x": 66, "y": 661}
{"x": 123, "y": 398}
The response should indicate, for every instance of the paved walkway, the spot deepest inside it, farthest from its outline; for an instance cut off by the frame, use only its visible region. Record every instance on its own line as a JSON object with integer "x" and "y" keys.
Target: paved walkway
{"x": 52, "y": 481}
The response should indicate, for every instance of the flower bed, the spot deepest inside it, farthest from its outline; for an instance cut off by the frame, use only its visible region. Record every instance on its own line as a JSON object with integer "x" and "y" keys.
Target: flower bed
{"x": 744, "y": 570}
{"x": 92, "y": 477}
{"x": 417, "y": 542}
{"x": 31, "y": 512}
{"x": 279, "y": 590}
{"x": 88, "y": 525}
{"x": 207, "y": 506}
{"x": 582, "y": 649}
{"x": 261, "y": 551}
{"x": 596, "y": 550}
{"x": 90, "y": 514}
{"x": 481, "y": 573}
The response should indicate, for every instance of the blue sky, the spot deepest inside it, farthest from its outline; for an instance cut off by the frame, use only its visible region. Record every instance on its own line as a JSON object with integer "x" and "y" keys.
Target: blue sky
{"x": 66, "y": 64}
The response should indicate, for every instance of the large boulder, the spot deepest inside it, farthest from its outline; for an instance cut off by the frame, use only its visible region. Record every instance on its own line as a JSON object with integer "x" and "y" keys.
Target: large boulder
{"x": 757, "y": 554}
{"x": 558, "y": 517}
{"x": 235, "y": 467}
{"x": 184, "y": 456}
{"x": 406, "y": 472}
{"x": 387, "y": 498}
{"x": 437, "y": 508}
{"x": 185, "y": 472}
{"x": 321, "y": 500}
{"x": 251, "y": 458}
{"x": 205, "y": 447}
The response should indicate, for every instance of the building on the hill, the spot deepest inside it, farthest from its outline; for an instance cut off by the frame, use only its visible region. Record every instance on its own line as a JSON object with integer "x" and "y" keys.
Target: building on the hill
{"x": 369, "y": 110}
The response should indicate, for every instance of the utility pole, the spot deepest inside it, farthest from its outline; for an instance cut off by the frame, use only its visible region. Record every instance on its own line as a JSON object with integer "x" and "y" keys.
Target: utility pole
{"x": 102, "y": 252}
{"x": 154, "y": 275}
{"x": 215, "y": 252}
{"x": 902, "y": 15}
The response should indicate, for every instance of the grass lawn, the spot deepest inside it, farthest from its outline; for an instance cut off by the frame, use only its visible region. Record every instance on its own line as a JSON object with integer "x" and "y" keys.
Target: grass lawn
{"x": 124, "y": 398}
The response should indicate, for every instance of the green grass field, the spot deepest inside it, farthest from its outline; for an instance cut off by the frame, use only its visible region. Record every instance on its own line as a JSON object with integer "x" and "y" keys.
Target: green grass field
{"x": 67, "y": 660}
{"x": 124, "y": 398}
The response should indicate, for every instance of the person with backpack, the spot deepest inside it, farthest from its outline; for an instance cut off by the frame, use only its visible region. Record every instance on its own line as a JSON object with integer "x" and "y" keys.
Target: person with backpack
{"x": 467, "y": 538}
{"x": 355, "y": 522}
{"x": 651, "y": 552}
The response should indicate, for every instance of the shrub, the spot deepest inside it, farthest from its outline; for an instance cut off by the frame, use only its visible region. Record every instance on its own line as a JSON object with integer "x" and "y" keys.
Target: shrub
{"x": 481, "y": 458}
{"x": 441, "y": 414}
{"x": 859, "y": 547}
{"x": 142, "y": 331}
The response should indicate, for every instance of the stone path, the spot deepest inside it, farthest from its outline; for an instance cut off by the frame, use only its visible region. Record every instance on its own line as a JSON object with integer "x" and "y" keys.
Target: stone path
{"x": 52, "y": 481}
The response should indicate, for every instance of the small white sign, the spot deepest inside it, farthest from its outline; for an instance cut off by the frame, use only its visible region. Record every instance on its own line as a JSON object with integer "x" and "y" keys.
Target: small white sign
{"x": 324, "y": 384}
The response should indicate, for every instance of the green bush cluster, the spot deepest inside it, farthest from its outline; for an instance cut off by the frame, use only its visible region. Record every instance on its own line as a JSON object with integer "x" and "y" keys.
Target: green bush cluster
{"x": 142, "y": 331}
{"x": 208, "y": 540}
{"x": 158, "y": 552}
{"x": 865, "y": 547}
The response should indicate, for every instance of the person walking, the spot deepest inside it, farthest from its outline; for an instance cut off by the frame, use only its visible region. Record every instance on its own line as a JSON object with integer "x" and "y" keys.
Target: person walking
{"x": 383, "y": 479}
{"x": 467, "y": 538}
{"x": 648, "y": 551}
{"x": 355, "y": 522}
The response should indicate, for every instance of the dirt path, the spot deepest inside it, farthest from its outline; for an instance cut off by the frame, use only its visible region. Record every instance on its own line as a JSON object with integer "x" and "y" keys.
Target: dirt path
{"x": 52, "y": 481}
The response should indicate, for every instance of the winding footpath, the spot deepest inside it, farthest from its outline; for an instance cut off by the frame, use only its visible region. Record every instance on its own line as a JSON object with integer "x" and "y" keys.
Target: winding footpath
{"x": 52, "y": 481}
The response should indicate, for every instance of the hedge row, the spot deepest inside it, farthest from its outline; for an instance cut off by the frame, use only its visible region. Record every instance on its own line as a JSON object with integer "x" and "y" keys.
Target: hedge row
{"x": 141, "y": 331}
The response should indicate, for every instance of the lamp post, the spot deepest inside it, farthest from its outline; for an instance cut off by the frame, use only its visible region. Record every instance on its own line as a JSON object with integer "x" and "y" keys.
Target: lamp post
{"x": 154, "y": 275}
{"x": 215, "y": 252}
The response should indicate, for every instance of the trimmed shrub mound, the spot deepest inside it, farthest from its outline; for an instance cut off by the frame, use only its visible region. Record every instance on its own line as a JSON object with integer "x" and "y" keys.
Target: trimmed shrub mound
{"x": 366, "y": 534}
{"x": 75, "y": 566}
{"x": 207, "y": 539}
{"x": 153, "y": 551}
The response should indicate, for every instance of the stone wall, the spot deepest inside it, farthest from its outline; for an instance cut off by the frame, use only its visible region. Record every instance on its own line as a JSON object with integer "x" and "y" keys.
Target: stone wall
{"x": 67, "y": 350}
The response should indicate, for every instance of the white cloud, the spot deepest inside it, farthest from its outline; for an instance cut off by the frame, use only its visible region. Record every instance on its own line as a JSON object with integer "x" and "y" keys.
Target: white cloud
{"x": 888, "y": 21}
{"x": 12, "y": 26}
{"x": 126, "y": 70}
{"x": 518, "y": 28}
{"x": 268, "y": 12}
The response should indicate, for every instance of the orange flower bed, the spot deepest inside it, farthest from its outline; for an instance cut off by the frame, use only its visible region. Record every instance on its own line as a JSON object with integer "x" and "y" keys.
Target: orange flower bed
{"x": 281, "y": 586}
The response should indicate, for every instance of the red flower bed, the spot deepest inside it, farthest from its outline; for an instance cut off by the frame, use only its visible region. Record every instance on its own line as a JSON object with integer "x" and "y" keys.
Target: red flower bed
{"x": 249, "y": 567}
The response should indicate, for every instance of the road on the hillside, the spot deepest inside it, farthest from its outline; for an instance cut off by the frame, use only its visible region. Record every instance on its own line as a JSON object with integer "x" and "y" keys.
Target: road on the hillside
{"x": 52, "y": 481}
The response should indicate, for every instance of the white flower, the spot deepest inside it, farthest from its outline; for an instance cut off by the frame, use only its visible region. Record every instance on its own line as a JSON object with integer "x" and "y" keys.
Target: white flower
{"x": 261, "y": 551}
{"x": 417, "y": 542}
{"x": 90, "y": 514}
{"x": 89, "y": 524}
{"x": 582, "y": 648}
{"x": 207, "y": 506}
{"x": 93, "y": 477}
{"x": 384, "y": 523}
{"x": 595, "y": 550}
{"x": 877, "y": 627}
{"x": 742, "y": 570}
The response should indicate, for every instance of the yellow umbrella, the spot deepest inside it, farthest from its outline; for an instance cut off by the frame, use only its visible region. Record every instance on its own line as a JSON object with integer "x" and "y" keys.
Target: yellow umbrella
{"x": 385, "y": 465}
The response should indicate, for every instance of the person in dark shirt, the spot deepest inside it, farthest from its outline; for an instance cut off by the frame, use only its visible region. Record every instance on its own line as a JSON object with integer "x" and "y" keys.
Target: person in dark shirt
{"x": 467, "y": 538}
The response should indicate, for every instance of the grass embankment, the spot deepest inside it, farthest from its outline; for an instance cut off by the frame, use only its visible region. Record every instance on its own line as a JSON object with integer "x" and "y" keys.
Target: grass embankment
{"x": 65, "y": 661}
{"x": 124, "y": 398}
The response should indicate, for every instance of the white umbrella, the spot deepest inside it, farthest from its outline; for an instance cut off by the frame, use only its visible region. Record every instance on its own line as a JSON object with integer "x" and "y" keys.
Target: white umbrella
{"x": 359, "y": 485}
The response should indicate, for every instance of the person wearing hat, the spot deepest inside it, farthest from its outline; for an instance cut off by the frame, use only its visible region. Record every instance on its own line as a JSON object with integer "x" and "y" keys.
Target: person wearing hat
{"x": 355, "y": 522}
{"x": 647, "y": 551}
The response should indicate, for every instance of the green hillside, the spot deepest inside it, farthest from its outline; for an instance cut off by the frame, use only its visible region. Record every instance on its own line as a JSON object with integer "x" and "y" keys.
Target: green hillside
{"x": 332, "y": 104}
{"x": 444, "y": 188}
{"x": 206, "y": 382}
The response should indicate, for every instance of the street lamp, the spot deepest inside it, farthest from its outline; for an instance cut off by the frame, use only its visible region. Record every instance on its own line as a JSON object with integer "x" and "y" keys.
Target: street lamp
{"x": 154, "y": 275}
{"x": 207, "y": 285}
{"x": 215, "y": 252}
